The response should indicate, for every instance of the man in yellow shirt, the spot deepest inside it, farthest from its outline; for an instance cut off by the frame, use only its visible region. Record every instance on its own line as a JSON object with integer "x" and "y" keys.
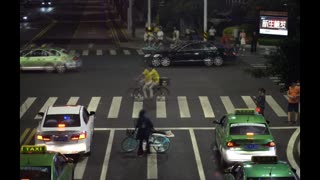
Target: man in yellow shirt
{"x": 151, "y": 79}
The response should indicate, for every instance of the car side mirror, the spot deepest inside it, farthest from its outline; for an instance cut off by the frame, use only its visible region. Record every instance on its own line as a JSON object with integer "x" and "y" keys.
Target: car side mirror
{"x": 92, "y": 113}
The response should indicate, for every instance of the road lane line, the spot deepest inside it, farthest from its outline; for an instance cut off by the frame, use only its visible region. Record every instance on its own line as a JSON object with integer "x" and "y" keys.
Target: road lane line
{"x": 85, "y": 52}
{"x": 26, "y": 105}
{"x": 275, "y": 106}
{"x": 249, "y": 102}
{"x": 161, "y": 107}
{"x": 80, "y": 168}
{"x": 183, "y": 107}
{"x": 227, "y": 104}
{"x": 290, "y": 147}
{"x": 25, "y": 132}
{"x": 99, "y": 52}
{"x": 197, "y": 155}
{"x": 73, "y": 101}
{"x": 48, "y": 103}
{"x": 107, "y": 157}
{"x": 93, "y": 105}
{"x": 137, "y": 106}
{"x": 113, "y": 52}
{"x": 115, "y": 107}
{"x": 206, "y": 107}
{"x": 31, "y": 135}
{"x": 140, "y": 52}
{"x": 126, "y": 52}
{"x": 286, "y": 96}
{"x": 152, "y": 170}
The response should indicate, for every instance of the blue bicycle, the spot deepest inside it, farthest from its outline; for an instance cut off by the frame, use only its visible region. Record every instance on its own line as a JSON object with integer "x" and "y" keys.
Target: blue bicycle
{"x": 159, "y": 141}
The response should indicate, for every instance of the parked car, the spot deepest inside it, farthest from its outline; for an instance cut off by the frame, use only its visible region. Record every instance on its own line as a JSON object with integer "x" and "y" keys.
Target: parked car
{"x": 207, "y": 53}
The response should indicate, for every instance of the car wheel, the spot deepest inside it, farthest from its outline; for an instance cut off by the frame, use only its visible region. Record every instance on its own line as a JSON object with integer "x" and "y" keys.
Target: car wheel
{"x": 155, "y": 62}
{"x": 60, "y": 68}
{"x": 49, "y": 68}
{"x": 165, "y": 61}
{"x": 208, "y": 61}
{"x": 218, "y": 61}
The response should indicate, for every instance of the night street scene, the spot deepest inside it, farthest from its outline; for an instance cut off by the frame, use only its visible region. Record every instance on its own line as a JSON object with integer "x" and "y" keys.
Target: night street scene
{"x": 160, "y": 89}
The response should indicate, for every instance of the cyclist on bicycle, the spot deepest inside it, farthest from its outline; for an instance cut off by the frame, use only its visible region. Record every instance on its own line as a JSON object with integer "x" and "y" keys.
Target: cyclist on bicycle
{"x": 145, "y": 128}
{"x": 153, "y": 79}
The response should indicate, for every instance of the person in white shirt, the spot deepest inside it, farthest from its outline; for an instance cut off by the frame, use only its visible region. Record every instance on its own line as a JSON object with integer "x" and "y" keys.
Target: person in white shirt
{"x": 176, "y": 34}
{"x": 212, "y": 33}
{"x": 160, "y": 35}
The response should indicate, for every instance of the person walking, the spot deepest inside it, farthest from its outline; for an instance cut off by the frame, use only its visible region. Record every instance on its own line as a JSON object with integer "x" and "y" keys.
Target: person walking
{"x": 175, "y": 35}
{"x": 293, "y": 102}
{"x": 242, "y": 42}
{"x": 212, "y": 33}
{"x": 144, "y": 129}
{"x": 254, "y": 42}
{"x": 260, "y": 100}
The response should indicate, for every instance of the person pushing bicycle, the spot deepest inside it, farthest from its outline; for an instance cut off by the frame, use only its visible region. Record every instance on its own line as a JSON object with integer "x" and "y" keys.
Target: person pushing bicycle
{"x": 144, "y": 128}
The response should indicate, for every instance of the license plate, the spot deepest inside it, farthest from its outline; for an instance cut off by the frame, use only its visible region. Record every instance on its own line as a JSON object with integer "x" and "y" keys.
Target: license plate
{"x": 251, "y": 146}
{"x": 61, "y": 139}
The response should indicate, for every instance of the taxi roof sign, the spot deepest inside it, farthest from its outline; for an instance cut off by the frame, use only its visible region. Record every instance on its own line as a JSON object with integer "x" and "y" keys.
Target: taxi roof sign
{"x": 33, "y": 149}
{"x": 244, "y": 111}
{"x": 264, "y": 159}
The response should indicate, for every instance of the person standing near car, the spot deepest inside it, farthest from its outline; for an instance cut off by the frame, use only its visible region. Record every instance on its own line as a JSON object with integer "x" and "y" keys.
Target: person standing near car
{"x": 260, "y": 100}
{"x": 293, "y": 102}
{"x": 175, "y": 34}
{"x": 242, "y": 42}
{"x": 144, "y": 129}
{"x": 212, "y": 33}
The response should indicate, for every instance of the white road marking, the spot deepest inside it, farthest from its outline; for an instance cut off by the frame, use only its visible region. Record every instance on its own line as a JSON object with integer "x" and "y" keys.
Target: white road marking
{"x": 24, "y": 134}
{"x": 290, "y": 146}
{"x": 92, "y": 32}
{"x": 113, "y": 52}
{"x": 99, "y": 52}
{"x": 107, "y": 157}
{"x": 276, "y": 80}
{"x": 126, "y": 52}
{"x": 73, "y": 101}
{"x": 249, "y": 102}
{"x": 197, "y": 155}
{"x": 26, "y": 105}
{"x": 206, "y": 107}
{"x": 161, "y": 108}
{"x": 258, "y": 65}
{"x": 80, "y": 167}
{"x": 152, "y": 165}
{"x": 275, "y": 106}
{"x": 31, "y": 135}
{"x": 93, "y": 105}
{"x": 85, "y": 52}
{"x": 183, "y": 107}
{"x": 48, "y": 103}
{"x": 286, "y": 96}
{"x": 140, "y": 52}
{"x": 115, "y": 107}
{"x": 137, "y": 106}
{"x": 274, "y": 77}
{"x": 227, "y": 104}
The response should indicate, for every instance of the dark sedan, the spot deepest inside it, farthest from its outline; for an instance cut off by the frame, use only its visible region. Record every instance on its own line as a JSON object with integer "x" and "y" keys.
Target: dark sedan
{"x": 192, "y": 52}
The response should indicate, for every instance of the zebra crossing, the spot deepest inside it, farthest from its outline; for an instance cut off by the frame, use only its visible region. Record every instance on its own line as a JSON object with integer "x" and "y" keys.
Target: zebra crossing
{"x": 118, "y": 104}
{"x": 109, "y": 52}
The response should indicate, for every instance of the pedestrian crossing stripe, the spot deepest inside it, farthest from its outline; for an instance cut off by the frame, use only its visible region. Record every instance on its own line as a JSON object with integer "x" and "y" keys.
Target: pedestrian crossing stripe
{"x": 113, "y": 52}
{"x": 126, "y": 52}
{"x": 85, "y": 52}
{"x": 160, "y": 104}
{"x": 99, "y": 52}
{"x": 27, "y": 136}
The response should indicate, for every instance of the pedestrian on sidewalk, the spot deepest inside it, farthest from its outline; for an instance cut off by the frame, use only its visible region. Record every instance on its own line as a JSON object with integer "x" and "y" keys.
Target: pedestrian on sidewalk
{"x": 254, "y": 42}
{"x": 242, "y": 42}
{"x": 293, "y": 102}
{"x": 212, "y": 33}
{"x": 160, "y": 36}
{"x": 175, "y": 35}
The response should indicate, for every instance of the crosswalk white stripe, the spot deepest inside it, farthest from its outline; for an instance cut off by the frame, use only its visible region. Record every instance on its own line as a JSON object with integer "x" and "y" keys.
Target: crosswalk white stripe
{"x": 206, "y": 107}
{"x": 73, "y": 101}
{"x": 286, "y": 96}
{"x": 115, "y": 107}
{"x": 274, "y": 77}
{"x": 126, "y": 52}
{"x": 80, "y": 168}
{"x": 249, "y": 102}
{"x": 94, "y": 102}
{"x": 152, "y": 172}
{"x": 99, "y": 52}
{"x": 276, "y": 80}
{"x": 275, "y": 106}
{"x": 197, "y": 154}
{"x": 48, "y": 103}
{"x": 137, "y": 106}
{"x": 227, "y": 104}
{"x": 140, "y": 52}
{"x": 107, "y": 157}
{"x": 85, "y": 52}
{"x": 113, "y": 52}
{"x": 161, "y": 108}
{"x": 25, "y": 106}
{"x": 183, "y": 107}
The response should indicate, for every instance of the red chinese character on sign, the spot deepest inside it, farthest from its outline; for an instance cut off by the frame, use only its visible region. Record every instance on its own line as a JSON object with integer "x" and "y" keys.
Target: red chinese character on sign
{"x": 283, "y": 24}
{"x": 276, "y": 24}
{"x": 270, "y": 24}
{"x": 264, "y": 23}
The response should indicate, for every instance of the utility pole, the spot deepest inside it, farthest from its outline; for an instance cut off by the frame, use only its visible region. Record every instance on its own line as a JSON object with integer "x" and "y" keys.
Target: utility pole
{"x": 149, "y": 13}
{"x": 205, "y": 20}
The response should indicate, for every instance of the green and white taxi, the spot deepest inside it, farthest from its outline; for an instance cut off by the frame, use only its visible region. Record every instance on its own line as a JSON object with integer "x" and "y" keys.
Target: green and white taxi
{"x": 261, "y": 168}
{"x": 37, "y": 163}
{"x": 241, "y": 135}
{"x": 48, "y": 59}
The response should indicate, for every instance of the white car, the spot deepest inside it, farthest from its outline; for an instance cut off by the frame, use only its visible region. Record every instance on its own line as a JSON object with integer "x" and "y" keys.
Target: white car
{"x": 66, "y": 129}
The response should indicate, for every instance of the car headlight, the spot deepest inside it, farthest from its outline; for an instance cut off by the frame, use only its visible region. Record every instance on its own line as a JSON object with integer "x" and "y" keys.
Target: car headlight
{"x": 42, "y": 3}
{"x": 49, "y": 3}
{"x": 156, "y": 55}
{"x": 25, "y": 17}
{"x": 147, "y": 55}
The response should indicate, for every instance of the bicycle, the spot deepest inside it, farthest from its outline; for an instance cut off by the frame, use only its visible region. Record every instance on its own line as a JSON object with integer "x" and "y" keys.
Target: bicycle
{"x": 159, "y": 141}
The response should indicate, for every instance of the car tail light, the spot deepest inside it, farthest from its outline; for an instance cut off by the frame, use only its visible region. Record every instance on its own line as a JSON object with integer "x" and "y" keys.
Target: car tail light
{"x": 258, "y": 109}
{"x": 271, "y": 144}
{"x": 75, "y": 58}
{"x": 82, "y": 135}
{"x": 249, "y": 133}
{"x": 231, "y": 144}
{"x": 61, "y": 125}
{"x": 43, "y": 138}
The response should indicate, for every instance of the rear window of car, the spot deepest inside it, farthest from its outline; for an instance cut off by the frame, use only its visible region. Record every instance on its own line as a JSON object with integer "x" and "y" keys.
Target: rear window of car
{"x": 244, "y": 128}
{"x": 68, "y": 120}
{"x": 35, "y": 172}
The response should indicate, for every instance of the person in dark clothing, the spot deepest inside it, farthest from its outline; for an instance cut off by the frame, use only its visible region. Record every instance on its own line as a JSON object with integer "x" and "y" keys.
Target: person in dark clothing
{"x": 260, "y": 100}
{"x": 254, "y": 42}
{"x": 145, "y": 128}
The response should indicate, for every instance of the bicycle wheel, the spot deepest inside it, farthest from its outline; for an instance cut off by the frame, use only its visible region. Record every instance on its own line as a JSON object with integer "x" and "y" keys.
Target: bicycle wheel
{"x": 164, "y": 144}
{"x": 137, "y": 94}
{"x": 129, "y": 144}
{"x": 162, "y": 92}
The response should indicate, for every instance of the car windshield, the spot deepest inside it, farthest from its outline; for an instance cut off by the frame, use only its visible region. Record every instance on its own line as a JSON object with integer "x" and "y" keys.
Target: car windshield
{"x": 271, "y": 178}
{"x": 35, "y": 172}
{"x": 244, "y": 128}
{"x": 67, "y": 120}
